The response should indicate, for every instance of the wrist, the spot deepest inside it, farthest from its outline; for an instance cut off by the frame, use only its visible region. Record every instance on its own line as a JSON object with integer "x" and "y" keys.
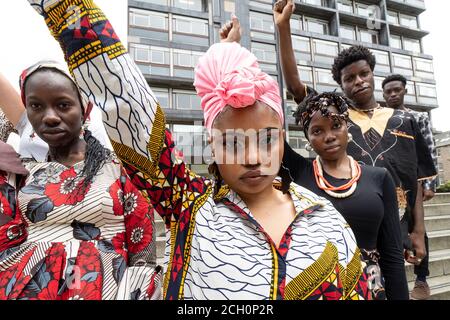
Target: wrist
{"x": 420, "y": 231}
{"x": 284, "y": 26}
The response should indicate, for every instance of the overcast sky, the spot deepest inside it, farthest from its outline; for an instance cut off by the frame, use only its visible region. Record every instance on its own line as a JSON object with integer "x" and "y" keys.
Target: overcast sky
{"x": 26, "y": 40}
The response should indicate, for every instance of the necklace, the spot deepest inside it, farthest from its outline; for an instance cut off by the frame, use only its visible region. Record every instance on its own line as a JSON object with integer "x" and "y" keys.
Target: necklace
{"x": 368, "y": 110}
{"x": 323, "y": 184}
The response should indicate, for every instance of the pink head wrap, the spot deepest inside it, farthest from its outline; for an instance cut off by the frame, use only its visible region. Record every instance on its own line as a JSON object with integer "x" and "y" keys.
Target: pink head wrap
{"x": 229, "y": 74}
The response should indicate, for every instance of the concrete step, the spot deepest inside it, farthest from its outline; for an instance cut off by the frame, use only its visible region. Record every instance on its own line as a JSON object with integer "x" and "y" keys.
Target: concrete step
{"x": 441, "y": 209}
{"x": 439, "y": 240}
{"x": 160, "y": 227}
{"x": 439, "y": 198}
{"x": 160, "y": 247}
{"x": 437, "y": 223}
{"x": 439, "y": 287}
{"x": 439, "y": 265}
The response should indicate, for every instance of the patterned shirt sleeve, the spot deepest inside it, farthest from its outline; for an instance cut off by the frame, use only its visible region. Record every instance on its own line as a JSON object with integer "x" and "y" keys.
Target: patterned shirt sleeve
{"x": 133, "y": 118}
{"x": 425, "y": 128}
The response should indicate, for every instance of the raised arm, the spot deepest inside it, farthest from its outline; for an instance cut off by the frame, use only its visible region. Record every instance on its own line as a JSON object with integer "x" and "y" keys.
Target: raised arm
{"x": 133, "y": 118}
{"x": 282, "y": 12}
{"x": 10, "y": 101}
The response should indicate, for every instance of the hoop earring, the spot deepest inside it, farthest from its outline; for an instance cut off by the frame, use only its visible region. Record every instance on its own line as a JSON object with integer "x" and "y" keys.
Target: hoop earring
{"x": 308, "y": 147}
{"x": 350, "y": 137}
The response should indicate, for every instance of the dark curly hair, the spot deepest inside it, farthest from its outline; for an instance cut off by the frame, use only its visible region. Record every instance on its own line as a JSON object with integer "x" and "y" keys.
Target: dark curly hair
{"x": 395, "y": 77}
{"x": 349, "y": 56}
{"x": 321, "y": 102}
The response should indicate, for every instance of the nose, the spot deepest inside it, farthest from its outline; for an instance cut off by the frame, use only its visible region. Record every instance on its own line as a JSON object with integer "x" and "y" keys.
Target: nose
{"x": 359, "y": 80}
{"x": 51, "y": 118}
{"x": 252, "y": 155}
{"x": 330, "y": 137}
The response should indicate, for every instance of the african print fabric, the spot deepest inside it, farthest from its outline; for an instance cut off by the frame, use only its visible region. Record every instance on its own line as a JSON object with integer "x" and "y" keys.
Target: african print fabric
{"x": 392, "y": 139}
{"x": 61, "y": 240}
{"x": 215, "y": 249}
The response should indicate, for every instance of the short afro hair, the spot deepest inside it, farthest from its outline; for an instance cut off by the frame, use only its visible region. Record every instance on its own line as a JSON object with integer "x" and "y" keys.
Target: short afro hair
{"x": 349, "y": 56}
{"x": 395, "y": 77}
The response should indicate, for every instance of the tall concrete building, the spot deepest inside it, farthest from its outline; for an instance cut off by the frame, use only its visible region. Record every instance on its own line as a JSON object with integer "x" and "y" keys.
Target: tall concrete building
{"x": 166, "y": 38}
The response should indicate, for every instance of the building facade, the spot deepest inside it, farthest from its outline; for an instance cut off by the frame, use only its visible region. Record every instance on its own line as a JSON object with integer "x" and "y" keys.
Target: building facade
{"x": 166, "y": 38}
{"x": 443, "y": 153}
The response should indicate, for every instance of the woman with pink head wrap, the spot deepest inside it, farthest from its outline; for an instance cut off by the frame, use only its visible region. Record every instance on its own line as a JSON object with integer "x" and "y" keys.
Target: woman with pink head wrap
{"x": 237, "y": 235}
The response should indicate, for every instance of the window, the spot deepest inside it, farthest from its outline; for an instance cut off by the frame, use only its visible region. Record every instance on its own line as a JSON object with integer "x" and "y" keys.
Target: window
{"x": 263, "y": 25}
{"x": 426, "y": 90}
{"x": 317, "y": 26}
{"x": 410, "y": 96}
{"x": 348, "y": 32}
{"x": 302, "y": 48}
{"x": 378, "y": 88}
{"x": 262, "y": 4}
{"x": 370, "y": 36}
{"x": 186, "y": 100}
{"x": 345, "y": 5}
{"x": 412, "y": 45}
{"x": 325, "y": 51}
{"x": 296, "y": 24}
{"x": 297, "y": 140}
{"x": 163, "y": 97}
{"x": 396, "y": 41}
{"x": 196, "y": 5}
{"x": 426, "y": 93}
{"x": 324, "y": 80}
{"x": 151, "y": 60}
{"x": 306, "y": 75}
{"x": 402, "y": 64}
{"x": 190, "y": 140}
{"x": 314, "y": 2}
{"x": 266, "y": 55}
{"x": 392, "y": 17}
{"x": 229, "y": 6}
{"x": 383, "y": 64}
{"x": 160, "y": 2}
{"x": 184, "y": 62}
{"x": 149, "y": 19}
{"x": 408, "y": 21}
{"x": 190, "y": 25}
{"x": 423, "y": 68}
{"x": 366, "y": 10}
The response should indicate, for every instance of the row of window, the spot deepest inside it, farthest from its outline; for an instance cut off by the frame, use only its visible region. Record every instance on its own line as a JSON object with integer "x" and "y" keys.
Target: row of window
{"x": 177, "y": 99}
{"x": 197, "y": 5}
{"x": 168, "y": 27}
{"x": 165, "y": 61}
{"x": 262, "y": 27}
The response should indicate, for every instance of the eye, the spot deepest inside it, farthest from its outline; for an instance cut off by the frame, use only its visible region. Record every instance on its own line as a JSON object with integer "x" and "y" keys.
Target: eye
{"x": 316, "y": 132}
{"x": 63, "y": 105}
{"x": 337, "y": 125}
{"x": 35, "y": 106}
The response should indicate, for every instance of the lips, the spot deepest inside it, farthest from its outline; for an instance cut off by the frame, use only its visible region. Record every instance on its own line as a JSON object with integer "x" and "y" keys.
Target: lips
{"x": 332, "y": 148}
{"x": 362, "y": 90}
{"x": 252, "y": 174}
{"x": 53, "y": 133}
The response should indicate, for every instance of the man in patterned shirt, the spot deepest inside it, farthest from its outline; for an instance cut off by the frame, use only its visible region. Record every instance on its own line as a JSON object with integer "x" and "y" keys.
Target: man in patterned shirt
{"x": 394, "y": 90}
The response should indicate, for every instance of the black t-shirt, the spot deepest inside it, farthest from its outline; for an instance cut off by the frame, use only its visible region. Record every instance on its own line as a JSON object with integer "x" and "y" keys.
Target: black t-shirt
{"x": 371, "y": 211}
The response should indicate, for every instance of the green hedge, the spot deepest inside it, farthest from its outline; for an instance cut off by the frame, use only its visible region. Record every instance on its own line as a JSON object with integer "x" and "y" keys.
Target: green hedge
{"x": 444, "y": 188}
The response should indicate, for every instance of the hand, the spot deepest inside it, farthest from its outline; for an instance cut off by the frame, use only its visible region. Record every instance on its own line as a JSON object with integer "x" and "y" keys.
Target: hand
{"x": 10, "y": 161}
{"x": 282, "y": 11}
{"x": 231, "y": 31}
{"x": 418, "y": 244}
{"x": 428, "y": 194}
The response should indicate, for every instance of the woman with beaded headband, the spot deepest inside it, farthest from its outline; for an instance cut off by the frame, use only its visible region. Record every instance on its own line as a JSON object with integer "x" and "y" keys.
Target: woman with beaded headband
{"x": 364, "y": 195}
{"x": 244, "y": 234}
{"x": 75, "y": 227}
